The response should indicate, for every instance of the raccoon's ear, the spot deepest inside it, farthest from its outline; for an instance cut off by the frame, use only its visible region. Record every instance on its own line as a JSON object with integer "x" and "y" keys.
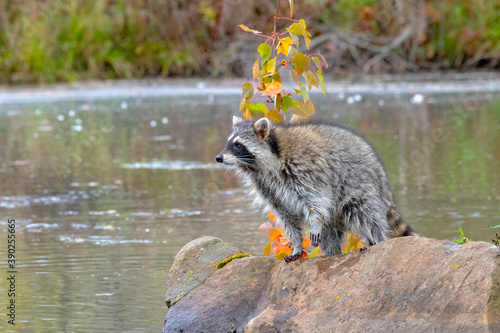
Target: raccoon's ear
{"x": 262, "y": 127}
{"x": 237, "y": 120}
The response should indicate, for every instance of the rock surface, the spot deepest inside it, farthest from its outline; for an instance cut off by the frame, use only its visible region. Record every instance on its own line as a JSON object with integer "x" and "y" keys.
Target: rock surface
{"x": 194, "y": 262}
{"x": 410, "y": 284}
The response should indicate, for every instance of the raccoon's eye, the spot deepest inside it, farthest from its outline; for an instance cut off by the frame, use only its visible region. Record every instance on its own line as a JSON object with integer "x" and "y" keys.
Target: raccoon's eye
{"x": 238, "y": 145}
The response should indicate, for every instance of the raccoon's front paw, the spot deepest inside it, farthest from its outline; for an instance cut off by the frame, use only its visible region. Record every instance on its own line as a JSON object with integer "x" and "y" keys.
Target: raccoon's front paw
{"x": 315, "y": 239}
{"x": 293, "y": 257}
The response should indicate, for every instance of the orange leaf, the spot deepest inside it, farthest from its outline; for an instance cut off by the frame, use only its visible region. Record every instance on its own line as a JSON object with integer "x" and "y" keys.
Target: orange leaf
{"x": 306, "y": 241}
{"x": 247, "y": 114}
{"x": 273, "y": 89}
{"x": 282, "y": 245}
{"x": 272, "y": 217}
{"x": 272, "y": 233}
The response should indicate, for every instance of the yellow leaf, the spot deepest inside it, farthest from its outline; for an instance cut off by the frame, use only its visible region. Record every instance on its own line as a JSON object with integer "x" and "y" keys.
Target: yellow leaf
{"x": 314, "y": 253}
{"x": 256, "y": 70}
{"x": 267, "y": 249}
{"x": 284, "y": 45}
{"x": 272, "y": 89}
{"x": 275, "y": 116}
{"x": 318, "y": 64}
{"x": 281, "y": 256}
{"x": 304, "y": 110}
{"x": 353, "y": 243}
{"x": 321, "y": 80}
{"x": 291, "y": 7}
{"x": 308, "y": 41}
{"x": 245, "y": 28}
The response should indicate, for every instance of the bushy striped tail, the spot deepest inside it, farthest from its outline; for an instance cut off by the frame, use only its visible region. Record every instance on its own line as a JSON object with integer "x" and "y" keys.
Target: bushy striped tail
{"x": 397, "y": 224}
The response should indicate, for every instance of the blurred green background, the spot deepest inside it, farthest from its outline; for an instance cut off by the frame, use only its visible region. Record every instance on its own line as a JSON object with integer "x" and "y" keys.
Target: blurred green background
{"x": 71, "y": 40}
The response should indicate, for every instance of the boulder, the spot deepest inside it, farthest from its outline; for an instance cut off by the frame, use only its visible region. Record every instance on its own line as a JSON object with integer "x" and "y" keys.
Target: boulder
{"x": 193, "y": 264}
{"x": 409, "y": 284}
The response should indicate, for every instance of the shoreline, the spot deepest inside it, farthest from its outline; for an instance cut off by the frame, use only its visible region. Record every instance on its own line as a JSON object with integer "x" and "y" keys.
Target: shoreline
{"x": 473, "y": 82}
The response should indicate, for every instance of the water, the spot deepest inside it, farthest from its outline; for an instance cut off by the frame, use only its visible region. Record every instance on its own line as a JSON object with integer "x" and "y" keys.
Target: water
{"x": 105, "y": 192}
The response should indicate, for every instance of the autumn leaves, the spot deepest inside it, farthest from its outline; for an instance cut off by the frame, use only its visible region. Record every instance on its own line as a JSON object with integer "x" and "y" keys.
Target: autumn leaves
{"x": 277, "y": 56}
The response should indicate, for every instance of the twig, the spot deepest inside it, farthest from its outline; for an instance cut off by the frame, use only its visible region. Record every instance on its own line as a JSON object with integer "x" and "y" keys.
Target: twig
{"x": 275, "y": 35}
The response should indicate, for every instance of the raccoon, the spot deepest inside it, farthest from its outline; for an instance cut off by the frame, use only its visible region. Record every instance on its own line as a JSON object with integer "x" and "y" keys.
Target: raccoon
{"x": 321, "y": 176}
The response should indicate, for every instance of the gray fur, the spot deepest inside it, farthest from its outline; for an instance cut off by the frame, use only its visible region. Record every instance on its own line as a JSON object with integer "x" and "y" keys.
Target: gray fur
{"x": 320, "y": 176}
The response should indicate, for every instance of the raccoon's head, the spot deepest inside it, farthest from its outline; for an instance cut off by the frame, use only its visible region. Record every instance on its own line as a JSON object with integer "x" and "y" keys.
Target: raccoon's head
{"x": 250, "y": 145}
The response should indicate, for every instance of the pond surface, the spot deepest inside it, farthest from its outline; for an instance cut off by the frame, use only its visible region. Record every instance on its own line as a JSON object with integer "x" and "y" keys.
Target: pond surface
{"x": 105, "y": 192}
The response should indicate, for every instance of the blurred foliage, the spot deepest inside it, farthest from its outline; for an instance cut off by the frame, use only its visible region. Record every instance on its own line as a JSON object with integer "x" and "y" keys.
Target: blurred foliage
{"x": 55, "y": 40}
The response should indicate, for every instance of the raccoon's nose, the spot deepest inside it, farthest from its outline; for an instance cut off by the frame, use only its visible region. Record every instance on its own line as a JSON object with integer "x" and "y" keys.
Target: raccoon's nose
{"x": 219, "y": 158}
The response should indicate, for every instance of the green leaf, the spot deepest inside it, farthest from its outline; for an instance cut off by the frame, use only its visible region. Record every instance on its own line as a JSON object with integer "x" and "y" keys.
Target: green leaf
{"x": 265, "y": 51}
{"x": 301, "y": 63}
{"x": 275, "y": 77}
{"x": 256, "y": 108}
{"x": 321, "y": 80}
{"x": 246, "y": 93}
{"x": 303, "y": 92}
{"x": 299, "y": 29}
{"x": 294, "y": 75}
{"x": 292, "y": 51}
{"x": 286, "y": 103}
{"x": 310, "y": 79}
{"x": 271, "y": 66}
{"x": 495, "y": 226}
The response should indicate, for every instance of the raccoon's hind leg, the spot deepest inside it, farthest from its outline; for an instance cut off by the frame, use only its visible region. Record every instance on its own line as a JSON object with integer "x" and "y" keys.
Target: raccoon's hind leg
{"x": 366, "y": 219}
{"x": 331, "y": 240}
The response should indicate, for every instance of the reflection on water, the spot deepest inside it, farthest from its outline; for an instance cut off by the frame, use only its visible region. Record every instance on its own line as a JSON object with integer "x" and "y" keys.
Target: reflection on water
{"x": 105, "y": 193}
